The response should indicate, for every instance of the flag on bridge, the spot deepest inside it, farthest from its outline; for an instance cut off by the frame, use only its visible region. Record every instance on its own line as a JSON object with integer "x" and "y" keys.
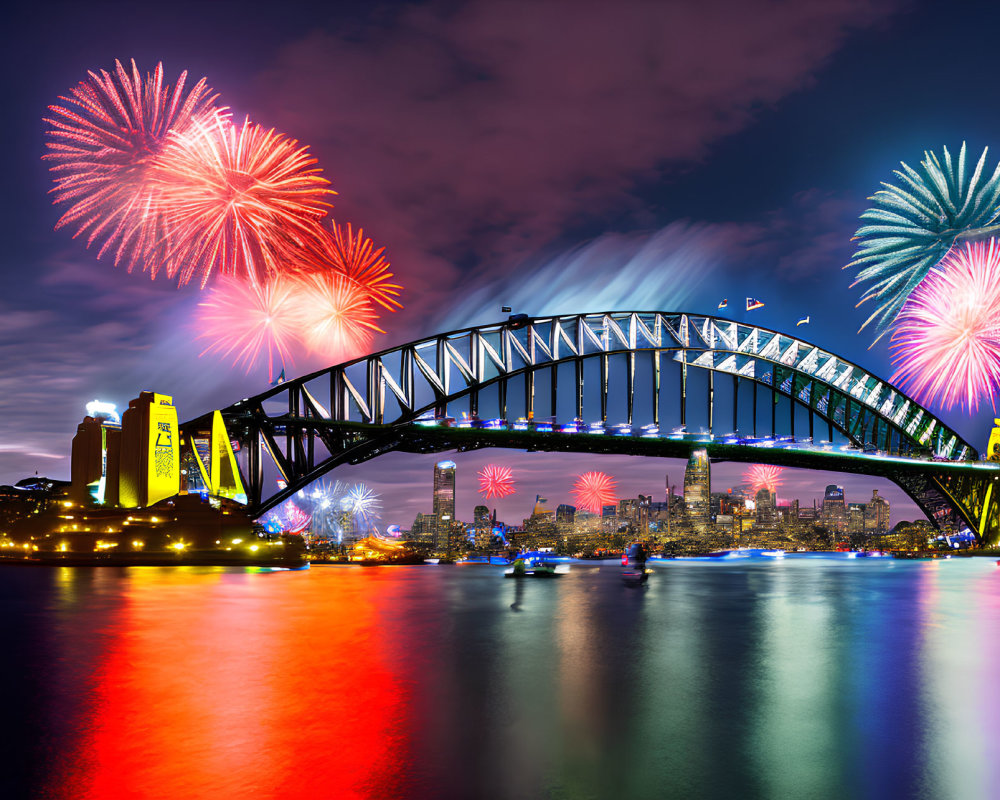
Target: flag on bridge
{"x": 802, "y": 321}
{"x": 280, "y": 379}
{"x": 724, "y": 303}
{"x": 752, "y": 304}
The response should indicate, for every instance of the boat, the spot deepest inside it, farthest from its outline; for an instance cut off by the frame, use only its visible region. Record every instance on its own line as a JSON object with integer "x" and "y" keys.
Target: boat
{"x": 535, "y": 568}
{"x": 634, "y": 572}
{"x": 635, "y": 577}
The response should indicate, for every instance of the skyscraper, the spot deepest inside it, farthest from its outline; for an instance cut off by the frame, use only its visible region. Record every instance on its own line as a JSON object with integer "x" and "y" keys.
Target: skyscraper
{"x": 766, "y": 504}
{"x": 877, "y": 514}
{"x": 444, "y": 503}
{"x": 483, "y": 524}
{"x": 834, "y": 515}
{"x": 697, "y": 490}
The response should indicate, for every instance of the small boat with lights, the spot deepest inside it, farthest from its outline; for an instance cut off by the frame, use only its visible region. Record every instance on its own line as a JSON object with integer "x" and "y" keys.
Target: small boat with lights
{"x": 535, "y": 568}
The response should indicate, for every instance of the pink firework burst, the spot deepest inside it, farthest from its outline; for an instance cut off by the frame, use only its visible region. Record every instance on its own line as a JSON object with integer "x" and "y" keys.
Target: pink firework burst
{"x": 946, "y": 346}
{"x": 104, "y": 142}
{"x": 246, "y": 321}
{"x": 240, "y": 200}
{"x": 336, "y": 318}
{"x": 496, "y": 480}
{"x": 593, "y": 490}
{"x": 763, "y": 476}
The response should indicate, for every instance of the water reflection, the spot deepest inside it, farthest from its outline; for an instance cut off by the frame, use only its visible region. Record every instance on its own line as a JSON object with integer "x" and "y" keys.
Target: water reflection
{"x": 795, "y": 679}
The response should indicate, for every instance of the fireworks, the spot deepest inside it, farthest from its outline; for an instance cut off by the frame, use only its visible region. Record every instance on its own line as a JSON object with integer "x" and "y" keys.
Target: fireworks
{"x": 239, "y": 200}
{"x": 913, "y": 225}
{"x": 104, "y": 142}
{"x": 337, "y": 508}
{"x": 763, "y": 476}
{"x": 946, "y": 346}
{"x": 593, "y": 490}
{"x": 160, "y": 177}
{"x": 364, "y": 505}
{"x": 287, "y": 518}
{"x": 496, "y": 481}
{"x": 335, "y": 316}
{"x": 356, "y": 256}
{"x": 245, "y": 321}
{"x": 328, "y": 312}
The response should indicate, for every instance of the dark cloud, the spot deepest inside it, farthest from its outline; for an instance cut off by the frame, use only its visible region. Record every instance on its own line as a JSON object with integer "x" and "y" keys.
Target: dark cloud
{"x": 479, "y": 132}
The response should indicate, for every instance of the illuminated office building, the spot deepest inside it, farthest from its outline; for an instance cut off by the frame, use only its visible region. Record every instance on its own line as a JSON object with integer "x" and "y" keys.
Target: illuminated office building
{"x": 834, "y": 514}
{"x": 444, "y": 502}
{"x": 697, "y": 491}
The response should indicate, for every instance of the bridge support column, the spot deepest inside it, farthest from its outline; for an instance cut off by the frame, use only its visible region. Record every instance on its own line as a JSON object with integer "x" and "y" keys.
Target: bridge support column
{"x": 684, "y": 388}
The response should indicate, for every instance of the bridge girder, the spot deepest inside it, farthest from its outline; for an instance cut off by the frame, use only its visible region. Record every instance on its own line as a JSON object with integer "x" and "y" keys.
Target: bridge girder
{"x": 354, "y": 411}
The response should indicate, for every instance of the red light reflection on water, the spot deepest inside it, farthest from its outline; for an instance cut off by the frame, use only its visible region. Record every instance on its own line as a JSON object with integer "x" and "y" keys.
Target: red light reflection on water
{"x": 230, "y": 684}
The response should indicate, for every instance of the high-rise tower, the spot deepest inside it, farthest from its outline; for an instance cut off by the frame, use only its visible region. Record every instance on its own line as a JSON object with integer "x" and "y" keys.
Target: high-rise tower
{"x": 444, "y": 503}
{"x": 697, "y": 490}
{"x": 834, "y": 514}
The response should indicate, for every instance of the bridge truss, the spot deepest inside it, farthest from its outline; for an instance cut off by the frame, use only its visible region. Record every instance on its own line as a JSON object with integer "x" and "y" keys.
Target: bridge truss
{"x": 658, "y": 375}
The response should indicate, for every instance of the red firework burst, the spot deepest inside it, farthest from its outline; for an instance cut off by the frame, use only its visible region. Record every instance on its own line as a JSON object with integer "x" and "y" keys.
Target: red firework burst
{"x": 240, "y": 200}
{"x": 245, "y": 321}
{"x": 104, "y": 142}
{"x": 763, "y": 476}
{"x": 335, "y": 316}
{"x": 496, "y": 481}
{"x": 593, "y": 490}
{"x": 355, "y": 254}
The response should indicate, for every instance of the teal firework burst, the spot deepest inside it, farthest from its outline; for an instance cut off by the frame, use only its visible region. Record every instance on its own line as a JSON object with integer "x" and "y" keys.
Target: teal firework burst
{"x": 914, "y": 223}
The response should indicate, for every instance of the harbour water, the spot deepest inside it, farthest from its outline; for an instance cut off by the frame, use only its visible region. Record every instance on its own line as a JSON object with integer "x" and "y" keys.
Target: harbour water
{"x": 795, "y": 678}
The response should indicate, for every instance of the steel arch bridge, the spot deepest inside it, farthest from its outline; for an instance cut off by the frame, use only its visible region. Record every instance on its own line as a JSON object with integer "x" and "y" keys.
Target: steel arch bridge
{"x": 650, "y": 383}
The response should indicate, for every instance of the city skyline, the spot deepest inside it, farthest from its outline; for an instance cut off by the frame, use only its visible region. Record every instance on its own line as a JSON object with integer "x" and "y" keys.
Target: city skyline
{"x": 414, "y": 478}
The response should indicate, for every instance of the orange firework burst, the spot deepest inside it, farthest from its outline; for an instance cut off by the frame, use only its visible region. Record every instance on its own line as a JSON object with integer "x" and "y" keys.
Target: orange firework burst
{"x": 495, "y": 480}
{"x": 241, "y": 201}
{"x": 335, "y": 316}
{"x": 351, "y": 252}
{"x": 593, "y": 490}
{"x": 104, "y": 142}
{"x": 245, "y": 321}
{"x": 763, "y": 476}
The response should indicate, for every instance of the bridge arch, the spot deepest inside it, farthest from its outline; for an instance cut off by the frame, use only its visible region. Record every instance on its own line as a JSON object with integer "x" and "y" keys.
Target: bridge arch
{"x": 669, "y": 371}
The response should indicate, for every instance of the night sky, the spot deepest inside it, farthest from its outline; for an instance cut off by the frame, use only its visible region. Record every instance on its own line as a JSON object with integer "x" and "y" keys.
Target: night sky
{"x": 555, "y": 157}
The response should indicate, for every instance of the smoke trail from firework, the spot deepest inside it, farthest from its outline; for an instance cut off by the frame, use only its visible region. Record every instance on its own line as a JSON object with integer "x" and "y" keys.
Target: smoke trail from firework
{"x": 335, "y": 316}
{"x": 104, "y": 142}
{"x": 245, "y": 321}
{"x": 763, "y": 476}
{"x": 946, "y": 346}
{"x": 239, "y": 200}
{"x": 593, "y": 490}
{"x": 496, "y": 480}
